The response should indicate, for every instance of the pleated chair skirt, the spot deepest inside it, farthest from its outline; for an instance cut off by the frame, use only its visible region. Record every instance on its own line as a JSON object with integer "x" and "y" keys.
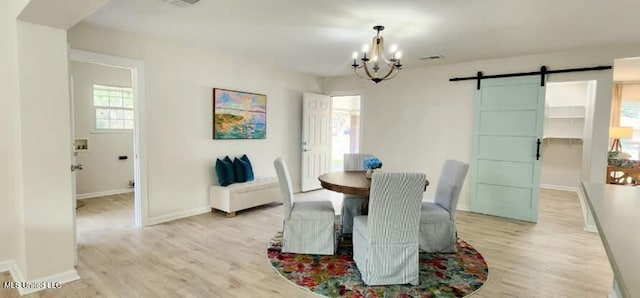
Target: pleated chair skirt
{"x": 438, "y": 236}
{"x": 309, "y": 237}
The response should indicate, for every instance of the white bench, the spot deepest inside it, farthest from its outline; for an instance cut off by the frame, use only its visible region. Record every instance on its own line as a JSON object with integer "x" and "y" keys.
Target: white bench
{"x": 240, "y": 196}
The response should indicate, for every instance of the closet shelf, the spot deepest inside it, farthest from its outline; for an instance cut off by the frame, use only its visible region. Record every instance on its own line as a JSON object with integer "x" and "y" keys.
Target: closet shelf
{"x": 563, "y": 137}
{"x": 567, "y": 106}
{"x": 565, "y": 116}
{"x": 573, "y": 111}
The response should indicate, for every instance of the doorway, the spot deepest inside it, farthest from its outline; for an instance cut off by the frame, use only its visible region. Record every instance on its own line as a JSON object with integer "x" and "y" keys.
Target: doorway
{"x": 566, "y": 105}
{"x": 139, "y": 184}
{"x": 345, "y": 128}
{"x": 103, "y": 125}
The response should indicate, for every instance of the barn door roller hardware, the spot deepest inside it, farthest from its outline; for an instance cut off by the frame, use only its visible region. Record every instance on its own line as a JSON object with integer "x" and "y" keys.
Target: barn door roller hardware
{"x": 543, "y": 72}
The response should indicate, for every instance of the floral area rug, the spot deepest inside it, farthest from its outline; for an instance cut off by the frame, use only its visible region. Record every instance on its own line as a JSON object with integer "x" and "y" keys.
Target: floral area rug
{"x": 441, "y": 275}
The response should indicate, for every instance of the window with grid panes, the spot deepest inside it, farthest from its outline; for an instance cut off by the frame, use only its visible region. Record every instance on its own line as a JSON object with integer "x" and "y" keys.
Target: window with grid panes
{"x": 113, "y": 107}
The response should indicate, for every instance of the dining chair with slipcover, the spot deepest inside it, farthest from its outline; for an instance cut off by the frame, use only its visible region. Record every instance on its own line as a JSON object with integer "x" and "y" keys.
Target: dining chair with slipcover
{"x": 308, "y": 227}
{"x": 385, "y": 242}
{"x": 438, "y": 231}
{"x": 351, "y": 204}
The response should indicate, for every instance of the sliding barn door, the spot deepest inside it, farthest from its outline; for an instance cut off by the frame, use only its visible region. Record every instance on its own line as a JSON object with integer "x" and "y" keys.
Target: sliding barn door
{"x": 505, "y": 165}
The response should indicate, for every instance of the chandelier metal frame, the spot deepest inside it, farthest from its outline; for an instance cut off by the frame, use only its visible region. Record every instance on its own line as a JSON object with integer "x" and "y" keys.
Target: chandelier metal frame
{"x": 376, "y": 66}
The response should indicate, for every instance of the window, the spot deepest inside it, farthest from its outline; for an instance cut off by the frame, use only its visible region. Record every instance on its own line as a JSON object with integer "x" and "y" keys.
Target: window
{"x": 630, "y": 116}
{"x": 113, "y": 107}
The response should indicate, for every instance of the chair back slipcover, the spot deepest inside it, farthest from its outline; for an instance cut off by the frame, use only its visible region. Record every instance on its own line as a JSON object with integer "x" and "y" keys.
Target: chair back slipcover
{"x": 285, "y": 185}
{"x": 385, "y": 243}
{"x": 450, "y": 184}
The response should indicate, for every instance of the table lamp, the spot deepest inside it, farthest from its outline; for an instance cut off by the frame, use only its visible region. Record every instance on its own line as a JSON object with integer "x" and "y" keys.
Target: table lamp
{"x": 619, "y": 132}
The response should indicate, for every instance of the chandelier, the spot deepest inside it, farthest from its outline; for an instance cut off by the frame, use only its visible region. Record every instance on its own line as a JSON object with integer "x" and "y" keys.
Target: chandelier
{"x": 375, "y": 66}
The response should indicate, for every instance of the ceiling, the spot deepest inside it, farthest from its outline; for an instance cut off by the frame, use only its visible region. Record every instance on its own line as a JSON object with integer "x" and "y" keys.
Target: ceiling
{"x": 319, "y": 36}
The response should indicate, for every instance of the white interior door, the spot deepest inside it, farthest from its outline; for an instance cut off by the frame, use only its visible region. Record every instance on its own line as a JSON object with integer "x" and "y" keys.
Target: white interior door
{"x": 316, "y": 139}
{"x": 74, "y": 153}
{"x": 505, "y": 165}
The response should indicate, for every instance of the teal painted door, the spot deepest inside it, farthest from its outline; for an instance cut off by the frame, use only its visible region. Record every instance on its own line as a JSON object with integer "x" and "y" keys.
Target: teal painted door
{"x": 505, "y": 173}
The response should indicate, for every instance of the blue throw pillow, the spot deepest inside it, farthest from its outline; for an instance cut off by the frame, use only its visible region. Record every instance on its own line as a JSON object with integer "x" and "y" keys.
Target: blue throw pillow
{"x": 244, "y": 171}
{"x": 247, "y": 167}
{"x": 225, "y": 171}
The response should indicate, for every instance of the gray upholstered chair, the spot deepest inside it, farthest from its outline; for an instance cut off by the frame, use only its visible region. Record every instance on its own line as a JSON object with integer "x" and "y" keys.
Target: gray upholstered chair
{"x": 438, "y": 220}
{"x": 352, "y": 205}
{"x": 309, "y": 227}
{"x": 385, "y": 242}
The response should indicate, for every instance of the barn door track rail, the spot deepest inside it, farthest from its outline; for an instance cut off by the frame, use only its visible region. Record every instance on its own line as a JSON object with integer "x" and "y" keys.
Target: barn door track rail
{"x": 543, "y": 72}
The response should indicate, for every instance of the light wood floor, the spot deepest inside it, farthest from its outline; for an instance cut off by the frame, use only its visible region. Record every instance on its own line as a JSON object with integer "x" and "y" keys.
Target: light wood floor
{"x": 213, "y": 256}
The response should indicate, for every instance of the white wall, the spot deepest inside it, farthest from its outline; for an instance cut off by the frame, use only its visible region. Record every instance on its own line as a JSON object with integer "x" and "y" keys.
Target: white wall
{"x": 36, "y": 214}
{"x": 45, "y": 138}
{"x": 561, "y": 163}
{"x": 103, "y": 171}
{"x": 567, "y": 94}
{"x": 7, "y": 197}
{"x": 9, "y": 111}
{"x": 419, "y": 119}
{"x": 179, "y": 82}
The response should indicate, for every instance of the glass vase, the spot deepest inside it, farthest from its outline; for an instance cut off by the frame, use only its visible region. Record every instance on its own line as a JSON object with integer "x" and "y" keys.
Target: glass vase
{"x": 368, "y": 173}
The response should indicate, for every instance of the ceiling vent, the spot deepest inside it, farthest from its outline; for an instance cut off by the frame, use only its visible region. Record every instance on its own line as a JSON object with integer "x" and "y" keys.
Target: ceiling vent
{"x": 434, "y": 57}
{"x": 182, "y": 3}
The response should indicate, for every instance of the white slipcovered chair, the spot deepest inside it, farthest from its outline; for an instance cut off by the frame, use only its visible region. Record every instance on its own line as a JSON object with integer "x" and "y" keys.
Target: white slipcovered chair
{"x": 385, "y": 243}
{"x": 438, "y": 219}
{"x": 309, "y": 227}
{"x": 352, "y": 205}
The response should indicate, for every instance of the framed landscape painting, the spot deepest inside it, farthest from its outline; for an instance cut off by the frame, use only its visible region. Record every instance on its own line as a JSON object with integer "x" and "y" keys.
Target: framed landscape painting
{"x": 239, "y": 115}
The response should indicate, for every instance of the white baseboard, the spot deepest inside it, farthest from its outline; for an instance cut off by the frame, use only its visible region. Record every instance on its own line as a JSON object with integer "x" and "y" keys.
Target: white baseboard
{"x": 103, "y": 193}
{"x": 177, "y": 215}
{"x": 6, "y": 266}
{"x": 559, "y": 187}
{"x": 615, "y": 290}
{"x": 16, "y": 275}
{"x": 590, "y": 228}
{"x": 62, "y": 277}
{"x": 14, "y": 271}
